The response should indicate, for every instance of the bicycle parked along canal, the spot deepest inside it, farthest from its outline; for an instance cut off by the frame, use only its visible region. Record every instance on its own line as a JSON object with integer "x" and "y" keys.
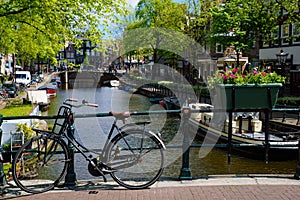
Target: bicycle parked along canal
{"x": 131, "y": 155}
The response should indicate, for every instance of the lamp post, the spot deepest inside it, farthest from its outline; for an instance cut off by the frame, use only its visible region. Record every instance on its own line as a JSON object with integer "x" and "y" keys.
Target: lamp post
{"x": 281, "y": 57}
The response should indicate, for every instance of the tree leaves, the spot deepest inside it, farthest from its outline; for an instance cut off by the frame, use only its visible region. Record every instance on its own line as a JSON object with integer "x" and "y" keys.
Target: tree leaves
{"x": 34, "y": 27}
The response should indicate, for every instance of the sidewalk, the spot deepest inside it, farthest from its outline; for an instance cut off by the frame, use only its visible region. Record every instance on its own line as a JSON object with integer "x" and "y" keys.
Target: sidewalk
{"x": 213, "y": 187}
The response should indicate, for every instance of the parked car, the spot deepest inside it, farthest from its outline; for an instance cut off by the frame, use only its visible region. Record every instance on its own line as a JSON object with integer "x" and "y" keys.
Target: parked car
{"x": 11, "y": 89}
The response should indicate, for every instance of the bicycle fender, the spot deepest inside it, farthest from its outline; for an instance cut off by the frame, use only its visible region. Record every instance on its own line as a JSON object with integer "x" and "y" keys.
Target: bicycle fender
{"x": 134, "y": 126}
{"x": 158, "y": 138}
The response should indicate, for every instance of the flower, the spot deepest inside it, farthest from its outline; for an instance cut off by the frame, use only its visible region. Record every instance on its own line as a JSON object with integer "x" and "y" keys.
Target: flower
{"x": 253, "y": 76}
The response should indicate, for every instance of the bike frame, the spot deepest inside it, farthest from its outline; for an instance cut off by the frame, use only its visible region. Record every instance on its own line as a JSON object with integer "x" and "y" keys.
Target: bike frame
{"x": 81, "y": 148}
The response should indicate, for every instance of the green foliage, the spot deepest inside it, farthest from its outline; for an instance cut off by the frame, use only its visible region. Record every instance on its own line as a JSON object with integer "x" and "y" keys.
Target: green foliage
{"x": 161, "y": 14}
{"x": 40, "y": 28}
{"x": 289, "y": 101}
{"x": 6, "y": 146}
{"x": 13, "y": 110}
{"x": 28, "y": 132}
{"x": 239, "y": 23}
{"x": 199, "y": 18}
{"x": 155, "y": 21}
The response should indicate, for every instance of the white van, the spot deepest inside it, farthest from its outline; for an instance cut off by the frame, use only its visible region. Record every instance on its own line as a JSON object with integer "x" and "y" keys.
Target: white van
{"x": 23, "y": 77}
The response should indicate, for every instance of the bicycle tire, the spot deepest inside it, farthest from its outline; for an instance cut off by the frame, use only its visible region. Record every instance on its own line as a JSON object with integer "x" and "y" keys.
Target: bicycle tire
{"x": 37, "y": 169}
{"x": 138, "y": 158}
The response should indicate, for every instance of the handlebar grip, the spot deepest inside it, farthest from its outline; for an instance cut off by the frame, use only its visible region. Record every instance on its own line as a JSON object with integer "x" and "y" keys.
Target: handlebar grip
{"x": 92, "y": 104}
{"x": 74, "y": 100}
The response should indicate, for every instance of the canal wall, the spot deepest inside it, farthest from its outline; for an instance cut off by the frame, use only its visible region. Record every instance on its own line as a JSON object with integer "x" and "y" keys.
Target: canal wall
{"x": 157, "y": 90}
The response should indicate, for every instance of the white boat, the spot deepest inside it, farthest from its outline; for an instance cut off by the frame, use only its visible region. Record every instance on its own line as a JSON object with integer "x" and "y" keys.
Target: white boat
{"x": 114, "y": 83}
{"x": 50, "y": 90}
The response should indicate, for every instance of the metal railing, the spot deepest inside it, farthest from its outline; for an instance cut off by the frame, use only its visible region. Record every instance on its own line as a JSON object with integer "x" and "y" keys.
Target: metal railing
{"x": 186, "y": 112}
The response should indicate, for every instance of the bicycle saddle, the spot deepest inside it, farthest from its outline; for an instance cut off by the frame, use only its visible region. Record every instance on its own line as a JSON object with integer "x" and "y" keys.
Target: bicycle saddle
{"x": 120, "y": 115}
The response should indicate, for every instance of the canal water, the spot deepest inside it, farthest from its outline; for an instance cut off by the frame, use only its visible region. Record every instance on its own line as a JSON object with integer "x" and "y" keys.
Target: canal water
{"x": 93, "y": 132}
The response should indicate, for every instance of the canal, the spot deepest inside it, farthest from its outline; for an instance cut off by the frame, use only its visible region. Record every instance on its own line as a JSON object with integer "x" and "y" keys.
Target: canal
{"x": 93, "y": 131}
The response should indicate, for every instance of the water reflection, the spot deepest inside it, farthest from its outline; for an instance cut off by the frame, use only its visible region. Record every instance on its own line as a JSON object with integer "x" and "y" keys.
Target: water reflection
{"x": 93, "y": 130}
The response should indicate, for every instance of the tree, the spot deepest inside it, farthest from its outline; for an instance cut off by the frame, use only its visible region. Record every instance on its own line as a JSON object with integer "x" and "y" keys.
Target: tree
{"x": 34, "y": 27}
{"x": 240, "y": 23}
{"x": 157, "y": 20}
{"x": 199, "y": 18}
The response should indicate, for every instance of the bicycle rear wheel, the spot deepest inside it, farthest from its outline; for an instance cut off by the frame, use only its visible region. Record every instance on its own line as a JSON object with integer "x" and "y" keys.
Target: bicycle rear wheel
{"x": 138, "y": 158}
{"x": 40, "y": 164}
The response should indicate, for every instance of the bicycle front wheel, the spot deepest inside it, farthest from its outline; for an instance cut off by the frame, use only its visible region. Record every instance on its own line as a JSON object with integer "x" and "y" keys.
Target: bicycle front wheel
{"x": 40, "y": 164}
{"x": 138, "y": 158}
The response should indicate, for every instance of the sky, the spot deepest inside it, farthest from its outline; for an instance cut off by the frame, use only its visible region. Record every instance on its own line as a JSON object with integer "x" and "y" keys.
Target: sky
{"x": 133, "y": 2}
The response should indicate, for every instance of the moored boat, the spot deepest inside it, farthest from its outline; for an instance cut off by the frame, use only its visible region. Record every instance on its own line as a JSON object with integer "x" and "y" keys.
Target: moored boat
{"x": 50, "y": 90}
{"x": 114, "y": 83}
{"x": 155, "y": 99}
{"x": 248, "y": 138}
{"x": 170, "y": 103}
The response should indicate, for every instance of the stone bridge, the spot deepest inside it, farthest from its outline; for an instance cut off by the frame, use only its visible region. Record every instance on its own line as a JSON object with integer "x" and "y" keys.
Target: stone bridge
{"x": 86, "y": 79}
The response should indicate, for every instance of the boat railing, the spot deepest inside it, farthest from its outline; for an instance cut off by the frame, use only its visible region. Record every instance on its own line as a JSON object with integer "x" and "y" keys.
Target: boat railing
{"x": 286, "y": 111}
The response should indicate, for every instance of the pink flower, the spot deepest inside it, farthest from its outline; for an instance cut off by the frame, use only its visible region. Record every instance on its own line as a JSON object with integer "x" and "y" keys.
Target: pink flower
{"x": 235, "y": 70}
{"x": 263, "y": 73}
{"x": 233, "y": 76}
{"x": 255, "y": 72}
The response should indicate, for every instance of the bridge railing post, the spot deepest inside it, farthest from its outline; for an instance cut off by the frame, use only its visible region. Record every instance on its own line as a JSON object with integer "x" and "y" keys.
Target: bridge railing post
{"x": 297, "y": 174}
{"x": 70, "y": 178}
{"x": 185, "y": 173}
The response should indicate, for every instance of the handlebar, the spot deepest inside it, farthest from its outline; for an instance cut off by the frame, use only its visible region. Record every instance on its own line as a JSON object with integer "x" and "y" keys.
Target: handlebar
{"x": 83, "y": 103}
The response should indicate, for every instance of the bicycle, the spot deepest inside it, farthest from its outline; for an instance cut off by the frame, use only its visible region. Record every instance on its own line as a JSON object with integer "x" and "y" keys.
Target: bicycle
{"x": 133, "y": 157}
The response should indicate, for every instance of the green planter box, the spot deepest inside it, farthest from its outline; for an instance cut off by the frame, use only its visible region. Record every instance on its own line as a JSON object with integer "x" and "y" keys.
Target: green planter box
{"x": 248, "y": 96}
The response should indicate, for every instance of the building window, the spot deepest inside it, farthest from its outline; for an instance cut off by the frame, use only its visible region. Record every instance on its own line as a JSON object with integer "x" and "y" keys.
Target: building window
{"x": 219, "y": 48}
{"x": 88, "y": 44}
{"x": 285, "y": 33}
{"x": 70, "y": 55}
{"x": 296, "y": 33}
{"x": 275, "y": 36}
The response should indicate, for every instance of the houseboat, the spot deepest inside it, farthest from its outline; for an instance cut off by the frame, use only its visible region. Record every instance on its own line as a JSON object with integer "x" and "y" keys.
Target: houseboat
{"x": 248, "y": 135}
